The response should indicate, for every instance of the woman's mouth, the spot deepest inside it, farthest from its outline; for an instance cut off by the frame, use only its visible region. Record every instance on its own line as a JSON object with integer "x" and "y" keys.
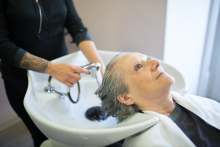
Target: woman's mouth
{"x": 159, "y": 75}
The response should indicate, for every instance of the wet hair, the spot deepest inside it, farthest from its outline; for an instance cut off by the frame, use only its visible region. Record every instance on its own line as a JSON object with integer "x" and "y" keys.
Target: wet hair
{"x": 112, "y": 86}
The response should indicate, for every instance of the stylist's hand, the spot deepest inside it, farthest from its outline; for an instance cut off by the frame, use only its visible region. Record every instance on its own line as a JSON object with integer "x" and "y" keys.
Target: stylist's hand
{"x": 66, "y": 73}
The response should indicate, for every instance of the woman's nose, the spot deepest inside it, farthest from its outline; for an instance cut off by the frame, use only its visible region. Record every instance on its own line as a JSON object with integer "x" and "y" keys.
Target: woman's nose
{"x": 154, "y": 64}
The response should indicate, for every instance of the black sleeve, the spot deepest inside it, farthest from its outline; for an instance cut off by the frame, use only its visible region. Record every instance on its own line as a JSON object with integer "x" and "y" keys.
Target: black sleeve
{"x": 9, "y": 52}
{"x": 75, "y": 25}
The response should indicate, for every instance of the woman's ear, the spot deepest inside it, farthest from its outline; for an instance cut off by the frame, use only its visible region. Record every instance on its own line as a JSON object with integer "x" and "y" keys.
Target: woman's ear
{"x": 125, "y": 99}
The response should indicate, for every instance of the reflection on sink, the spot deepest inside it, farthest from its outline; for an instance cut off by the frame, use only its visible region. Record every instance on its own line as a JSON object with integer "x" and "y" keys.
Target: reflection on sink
{"x": 65, "y": 124}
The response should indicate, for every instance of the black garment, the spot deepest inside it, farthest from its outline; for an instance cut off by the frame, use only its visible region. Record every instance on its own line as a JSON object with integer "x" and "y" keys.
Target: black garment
{"x": 19, "y": 32}
{"x": 20, "y": 23}
{"x": 15, "y": 92}
{"x": 199, "y": 132}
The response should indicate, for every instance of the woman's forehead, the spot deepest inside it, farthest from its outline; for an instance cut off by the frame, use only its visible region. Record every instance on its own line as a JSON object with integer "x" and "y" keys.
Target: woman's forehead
{"x": 133, "y": 57}
{"x": 126, "y": 61}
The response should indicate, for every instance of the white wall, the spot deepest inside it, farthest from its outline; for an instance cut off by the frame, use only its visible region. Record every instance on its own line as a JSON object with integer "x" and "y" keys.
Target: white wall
{"x": 126, "y": 24}
{"x": 214, "y": 79}
{"x": 185, "y": 35}
{"x": 208, "y": 72}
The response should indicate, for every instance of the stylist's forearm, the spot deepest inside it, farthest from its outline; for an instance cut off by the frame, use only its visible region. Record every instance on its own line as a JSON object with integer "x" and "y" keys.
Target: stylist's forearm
{"x": 89, "y": 50}
{"x": 35, "y": 63}
{"x": 65, "y": 73}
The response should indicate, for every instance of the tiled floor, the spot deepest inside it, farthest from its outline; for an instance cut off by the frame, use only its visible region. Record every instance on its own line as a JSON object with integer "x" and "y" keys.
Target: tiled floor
{"x": 16, "y": 136}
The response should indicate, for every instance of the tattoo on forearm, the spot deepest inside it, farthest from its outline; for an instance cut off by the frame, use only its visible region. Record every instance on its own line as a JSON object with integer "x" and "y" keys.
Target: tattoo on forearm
{"x": 35, "y": 63}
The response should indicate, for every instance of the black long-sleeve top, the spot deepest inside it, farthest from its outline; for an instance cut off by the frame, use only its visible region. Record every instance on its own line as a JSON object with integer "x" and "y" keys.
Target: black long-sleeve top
{"x": 21, "y": 30}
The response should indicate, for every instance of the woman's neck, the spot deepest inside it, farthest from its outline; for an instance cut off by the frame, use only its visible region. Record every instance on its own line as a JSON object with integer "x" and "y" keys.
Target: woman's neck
{"x": 163, "y": 104}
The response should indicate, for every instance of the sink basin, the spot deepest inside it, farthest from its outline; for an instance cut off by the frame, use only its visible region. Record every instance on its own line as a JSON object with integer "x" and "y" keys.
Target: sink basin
{"x": 65, "y": 124}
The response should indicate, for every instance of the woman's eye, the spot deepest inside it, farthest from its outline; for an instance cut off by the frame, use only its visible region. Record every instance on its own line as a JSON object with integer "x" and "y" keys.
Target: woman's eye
{"x": 137, "y": 67}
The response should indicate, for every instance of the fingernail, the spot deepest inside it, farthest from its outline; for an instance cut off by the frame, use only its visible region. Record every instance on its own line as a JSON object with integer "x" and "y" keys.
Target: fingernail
{"x": 85, "y": 70}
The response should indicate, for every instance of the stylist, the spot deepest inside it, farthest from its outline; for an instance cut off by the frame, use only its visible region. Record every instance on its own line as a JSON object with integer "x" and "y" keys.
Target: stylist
{"x": 32, "y": 34}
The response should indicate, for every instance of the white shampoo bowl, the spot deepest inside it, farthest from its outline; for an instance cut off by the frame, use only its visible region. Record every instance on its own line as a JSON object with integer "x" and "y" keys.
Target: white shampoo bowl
{"x": 65, "y": 124}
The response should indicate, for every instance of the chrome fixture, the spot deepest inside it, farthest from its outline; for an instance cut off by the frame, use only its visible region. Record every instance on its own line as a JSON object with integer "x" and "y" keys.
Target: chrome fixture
{"x": 92, "y": 68}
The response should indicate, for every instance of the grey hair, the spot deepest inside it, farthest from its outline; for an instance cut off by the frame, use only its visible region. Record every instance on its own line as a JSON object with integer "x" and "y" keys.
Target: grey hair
{"x": 112, "y": 86}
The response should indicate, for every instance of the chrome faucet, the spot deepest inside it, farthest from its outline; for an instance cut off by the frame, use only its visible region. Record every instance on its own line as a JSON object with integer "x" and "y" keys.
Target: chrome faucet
{"x": 93, "y": 68}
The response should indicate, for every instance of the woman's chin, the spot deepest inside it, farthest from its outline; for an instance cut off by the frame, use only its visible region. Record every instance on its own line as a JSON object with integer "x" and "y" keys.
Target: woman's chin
{"x": 168, "y": 78}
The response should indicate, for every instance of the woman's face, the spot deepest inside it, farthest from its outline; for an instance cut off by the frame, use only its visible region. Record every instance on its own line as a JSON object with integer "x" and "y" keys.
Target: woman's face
{"x": 144, "y": 76}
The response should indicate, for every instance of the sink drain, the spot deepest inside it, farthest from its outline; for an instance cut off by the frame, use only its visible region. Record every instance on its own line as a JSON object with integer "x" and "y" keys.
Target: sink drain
{"x": 96, "y": 114}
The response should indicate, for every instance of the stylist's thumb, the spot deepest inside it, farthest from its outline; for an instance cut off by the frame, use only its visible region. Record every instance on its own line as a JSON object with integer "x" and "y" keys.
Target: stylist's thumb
{"x": 78, "y": 69}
